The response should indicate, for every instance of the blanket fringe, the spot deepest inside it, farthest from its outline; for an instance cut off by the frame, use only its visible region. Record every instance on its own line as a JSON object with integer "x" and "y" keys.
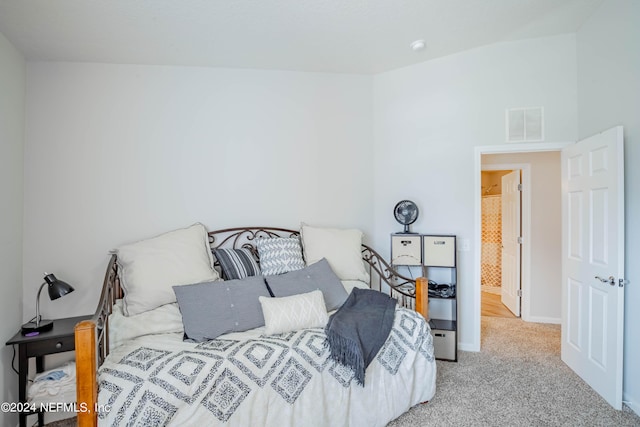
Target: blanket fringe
{"x": 347, "y": 353}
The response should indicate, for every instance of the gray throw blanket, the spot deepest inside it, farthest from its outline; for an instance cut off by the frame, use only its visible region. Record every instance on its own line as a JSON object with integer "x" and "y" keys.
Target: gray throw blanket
{"x": 357, "y": 331}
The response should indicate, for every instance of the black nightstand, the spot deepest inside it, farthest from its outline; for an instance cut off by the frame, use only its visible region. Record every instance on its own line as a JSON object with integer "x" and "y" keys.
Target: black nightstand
{"x": 59, "y": 339}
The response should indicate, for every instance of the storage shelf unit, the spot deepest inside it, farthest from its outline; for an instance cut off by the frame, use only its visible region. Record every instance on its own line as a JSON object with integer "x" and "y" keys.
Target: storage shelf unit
{"x": 437, "y": 257}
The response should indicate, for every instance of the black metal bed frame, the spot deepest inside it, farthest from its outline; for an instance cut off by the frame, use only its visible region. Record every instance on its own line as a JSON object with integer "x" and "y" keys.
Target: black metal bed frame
{"x": 383, "y": 277}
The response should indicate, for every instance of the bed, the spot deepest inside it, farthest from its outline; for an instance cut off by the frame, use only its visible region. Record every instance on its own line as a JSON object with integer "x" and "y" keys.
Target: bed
{"x": 146, "y": 373}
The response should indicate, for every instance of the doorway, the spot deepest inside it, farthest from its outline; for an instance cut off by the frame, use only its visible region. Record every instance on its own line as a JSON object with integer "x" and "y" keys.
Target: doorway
{"x": 545, "y": 311}
{"x": 592, "y": 323}
{"x": 501, "y": 260}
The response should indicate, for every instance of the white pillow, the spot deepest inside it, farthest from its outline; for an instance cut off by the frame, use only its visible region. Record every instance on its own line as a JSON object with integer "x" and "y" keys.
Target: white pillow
{"x": 341, "y": 247}
{"x": 293, "y": 313}
{"x": 165, "y": 319}
{"x": 149, "y": 268}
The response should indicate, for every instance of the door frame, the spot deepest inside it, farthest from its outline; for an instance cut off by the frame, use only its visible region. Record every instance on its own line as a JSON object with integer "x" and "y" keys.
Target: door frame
{"x": 477, "y": 224}
{"x": 525, "y": 225}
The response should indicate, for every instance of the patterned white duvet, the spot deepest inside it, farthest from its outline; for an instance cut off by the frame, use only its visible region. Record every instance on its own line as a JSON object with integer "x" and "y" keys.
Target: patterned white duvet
{"x": 249, "y": 379}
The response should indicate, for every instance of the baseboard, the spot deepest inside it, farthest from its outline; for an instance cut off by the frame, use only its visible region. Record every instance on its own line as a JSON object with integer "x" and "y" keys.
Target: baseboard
{"x": 631, "y": 403}
{"x": 536, "y": 319}
{"x": 468, "y": 347}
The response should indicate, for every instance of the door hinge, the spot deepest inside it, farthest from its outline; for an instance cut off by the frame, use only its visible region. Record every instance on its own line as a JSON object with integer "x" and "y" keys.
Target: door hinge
{"x": 519, "y": 292}
{"x": 519, "y": 187}
{"x": 520, "y": 241}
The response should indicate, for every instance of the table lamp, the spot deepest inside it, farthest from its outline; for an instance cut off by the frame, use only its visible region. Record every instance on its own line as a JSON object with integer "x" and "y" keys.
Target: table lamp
{"x": 57, "y": 288}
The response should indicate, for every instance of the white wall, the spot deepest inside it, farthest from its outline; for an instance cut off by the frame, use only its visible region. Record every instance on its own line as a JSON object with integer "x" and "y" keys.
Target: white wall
{"x": 12, "y": 86}
{"x": 608, "y": 53}
{"x": 545, "y": 269}
{"x": 116, "y": 153}
{"x": 429, "y": 117}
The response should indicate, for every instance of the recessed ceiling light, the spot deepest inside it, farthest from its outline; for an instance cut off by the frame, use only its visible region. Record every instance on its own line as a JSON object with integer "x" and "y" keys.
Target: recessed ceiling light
{"x": 418, "y": 45}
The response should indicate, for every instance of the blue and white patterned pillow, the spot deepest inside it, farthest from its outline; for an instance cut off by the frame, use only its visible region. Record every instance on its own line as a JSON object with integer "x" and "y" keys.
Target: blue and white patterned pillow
{"x": 279, "y": 255}
{"x": 236, "y": 263}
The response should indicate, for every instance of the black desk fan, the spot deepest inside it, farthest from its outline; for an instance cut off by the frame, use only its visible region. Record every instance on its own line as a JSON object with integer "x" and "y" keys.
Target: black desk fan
{"x": 406, "y": 213}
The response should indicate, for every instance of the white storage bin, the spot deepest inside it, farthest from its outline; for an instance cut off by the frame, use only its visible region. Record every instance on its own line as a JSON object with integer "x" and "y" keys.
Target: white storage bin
{"x": 439, "y": 251}
{"x": 405, "y": 249}
{"x": 444, "y": 344}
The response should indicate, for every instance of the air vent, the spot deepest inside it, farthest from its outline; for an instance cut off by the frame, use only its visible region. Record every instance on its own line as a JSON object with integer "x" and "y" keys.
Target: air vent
{"x": 525, "y": 124}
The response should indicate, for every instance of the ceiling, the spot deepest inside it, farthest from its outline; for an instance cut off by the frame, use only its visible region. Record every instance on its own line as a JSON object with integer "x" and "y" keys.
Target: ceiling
{"x": 342, "y": 36}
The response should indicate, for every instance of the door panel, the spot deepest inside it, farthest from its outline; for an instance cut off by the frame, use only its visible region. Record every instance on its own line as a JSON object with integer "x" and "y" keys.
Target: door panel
{"x": 597, "y": 336}
{"x": 599, "y": 226}
{"x": 574, "y": 313}
{"x": 574, "y": 226}
{"x": 593, "y": 252}
{"x": 511, "y": 259}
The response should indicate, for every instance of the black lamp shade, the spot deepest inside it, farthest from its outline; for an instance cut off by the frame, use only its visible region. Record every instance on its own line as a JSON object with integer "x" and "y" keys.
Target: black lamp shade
{"x": 57, "y": 288}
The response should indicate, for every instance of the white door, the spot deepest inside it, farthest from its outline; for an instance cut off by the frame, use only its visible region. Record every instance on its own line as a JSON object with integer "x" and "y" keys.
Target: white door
{"x": 511, "y": 208}
{"x": 593, "y": 261}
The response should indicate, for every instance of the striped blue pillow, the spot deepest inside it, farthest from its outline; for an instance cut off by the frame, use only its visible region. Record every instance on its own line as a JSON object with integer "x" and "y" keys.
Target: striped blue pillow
{"x": 236, "y": 263}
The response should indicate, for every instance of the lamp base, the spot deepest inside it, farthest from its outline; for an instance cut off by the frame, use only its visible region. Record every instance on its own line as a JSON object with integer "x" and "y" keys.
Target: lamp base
{"x": 45, "y": 325}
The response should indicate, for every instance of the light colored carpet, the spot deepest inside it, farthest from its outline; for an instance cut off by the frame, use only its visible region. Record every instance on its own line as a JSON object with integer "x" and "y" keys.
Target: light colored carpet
{"x": 517, "y": 379}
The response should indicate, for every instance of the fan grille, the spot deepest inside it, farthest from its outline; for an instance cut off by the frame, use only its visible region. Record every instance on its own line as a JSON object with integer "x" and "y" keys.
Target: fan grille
{"x": 406, "y": 213}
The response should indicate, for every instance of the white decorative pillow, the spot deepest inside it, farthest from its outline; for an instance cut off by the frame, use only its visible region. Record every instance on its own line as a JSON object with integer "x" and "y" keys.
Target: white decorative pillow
{"x": 165, "y": 319}
{"x": 341, "y": 247}
{"x": 149, "y": 268}
{"x": 293, "y": 313}
{"x": 279, "y": 255}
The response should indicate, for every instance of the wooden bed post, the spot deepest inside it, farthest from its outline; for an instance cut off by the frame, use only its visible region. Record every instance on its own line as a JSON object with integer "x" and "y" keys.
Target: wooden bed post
{"x": 86, "y": 369}
{"x": 422, "y": 296}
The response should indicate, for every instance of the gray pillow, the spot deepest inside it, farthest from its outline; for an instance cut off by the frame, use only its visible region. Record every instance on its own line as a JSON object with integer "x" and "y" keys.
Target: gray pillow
{"x": 211, "y": 309}
{"x": 316, "y": 276}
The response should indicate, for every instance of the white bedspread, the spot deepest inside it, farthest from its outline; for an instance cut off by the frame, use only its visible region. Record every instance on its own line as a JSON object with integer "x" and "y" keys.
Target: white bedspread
{"x": 248, "y": 379}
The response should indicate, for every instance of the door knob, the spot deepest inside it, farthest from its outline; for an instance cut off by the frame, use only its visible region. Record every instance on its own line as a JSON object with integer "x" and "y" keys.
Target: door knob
{"x": 611, "y": 280}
